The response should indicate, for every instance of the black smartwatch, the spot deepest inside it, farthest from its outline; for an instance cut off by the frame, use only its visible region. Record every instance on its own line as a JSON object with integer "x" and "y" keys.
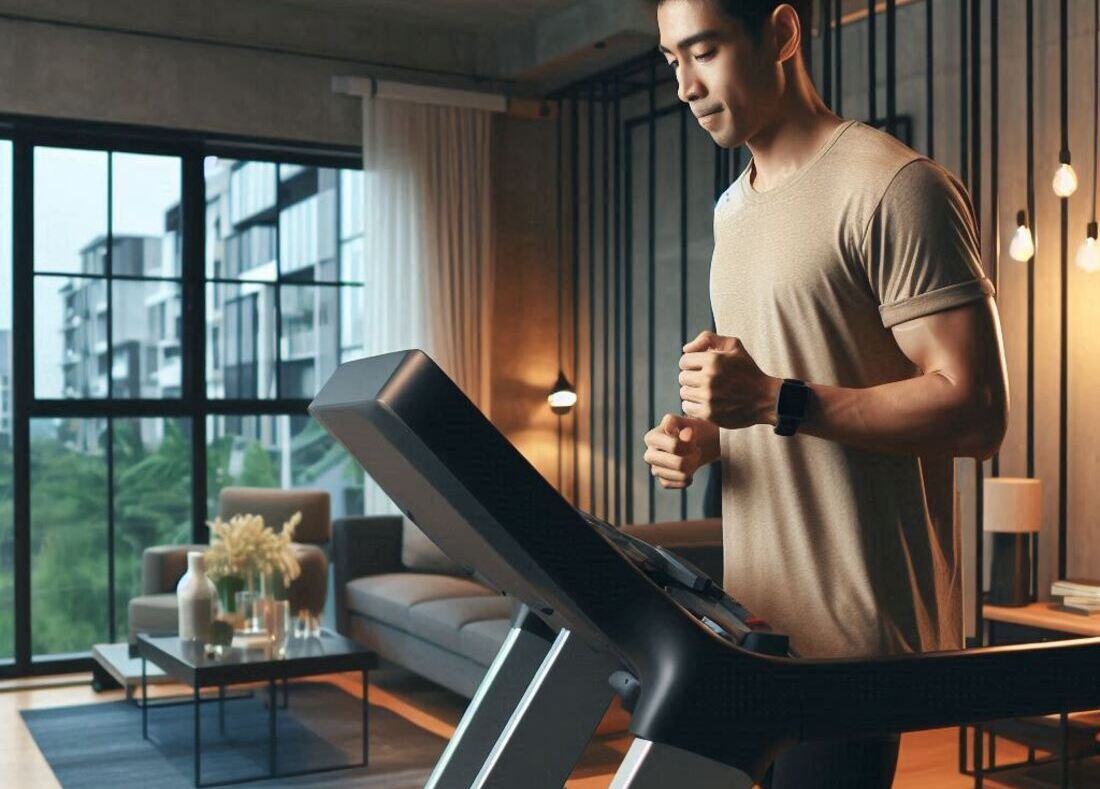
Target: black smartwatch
{"x": 794, "y": 397}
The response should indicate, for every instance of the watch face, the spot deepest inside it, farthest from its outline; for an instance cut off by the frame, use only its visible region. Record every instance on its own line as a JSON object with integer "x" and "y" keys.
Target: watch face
{"x": 792, "y": 399}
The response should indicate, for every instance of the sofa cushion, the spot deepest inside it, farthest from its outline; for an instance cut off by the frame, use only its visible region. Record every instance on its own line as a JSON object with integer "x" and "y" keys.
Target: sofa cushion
{"x": 155, "y": 614}
{"x": 480, "y": 641}
{"x": 441, "y": 621}
{"x": 388, "y": 597}
{"x": 421, "y": 555}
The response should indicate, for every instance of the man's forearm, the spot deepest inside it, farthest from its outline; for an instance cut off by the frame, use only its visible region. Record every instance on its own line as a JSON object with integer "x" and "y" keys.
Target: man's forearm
{"x": 925, "y": 415}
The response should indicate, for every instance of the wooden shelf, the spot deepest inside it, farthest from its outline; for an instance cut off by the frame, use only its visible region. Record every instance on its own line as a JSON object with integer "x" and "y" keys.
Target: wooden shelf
{"x": 1046, "y": 617}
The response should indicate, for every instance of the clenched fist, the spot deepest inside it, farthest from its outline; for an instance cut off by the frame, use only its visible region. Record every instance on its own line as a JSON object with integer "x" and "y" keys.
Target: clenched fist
{"x": 678, "y": 447}
{"x": 721, "y": 383}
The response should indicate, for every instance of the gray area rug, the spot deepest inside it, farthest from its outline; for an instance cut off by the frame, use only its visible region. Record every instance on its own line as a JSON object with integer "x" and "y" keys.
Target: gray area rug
{"x": 100, "y": 745}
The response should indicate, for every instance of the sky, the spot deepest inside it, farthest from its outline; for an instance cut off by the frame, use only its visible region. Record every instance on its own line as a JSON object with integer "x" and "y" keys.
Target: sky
{"x": 70, "y": 211}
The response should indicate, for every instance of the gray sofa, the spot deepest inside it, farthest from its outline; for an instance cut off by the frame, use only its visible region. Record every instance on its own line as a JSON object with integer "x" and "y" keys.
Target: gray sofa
{"x": 401, "y": 596}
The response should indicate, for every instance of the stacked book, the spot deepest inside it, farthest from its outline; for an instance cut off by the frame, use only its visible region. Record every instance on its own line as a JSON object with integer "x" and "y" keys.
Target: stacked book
{"x": 1079, "y": 596}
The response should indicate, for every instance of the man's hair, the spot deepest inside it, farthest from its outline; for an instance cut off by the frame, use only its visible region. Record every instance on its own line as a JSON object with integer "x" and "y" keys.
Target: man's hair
{"x": 752, "y": 14}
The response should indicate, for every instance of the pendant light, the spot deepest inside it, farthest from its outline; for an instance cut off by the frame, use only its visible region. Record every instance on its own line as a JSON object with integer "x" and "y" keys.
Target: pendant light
{"x": 1065, "y": 179}
{"x": 1022, "y": 247}
{"x": 1088, "y": 254}
{"x": 562, "y": 395}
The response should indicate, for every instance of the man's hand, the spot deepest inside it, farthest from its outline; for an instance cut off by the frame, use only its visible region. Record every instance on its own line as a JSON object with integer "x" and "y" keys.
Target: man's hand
{"x": 678, "y": 447}
{"x": 720, "y": 382}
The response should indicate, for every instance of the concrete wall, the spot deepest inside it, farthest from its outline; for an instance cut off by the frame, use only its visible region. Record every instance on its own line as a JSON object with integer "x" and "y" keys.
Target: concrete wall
{"x": 525, "y": 322}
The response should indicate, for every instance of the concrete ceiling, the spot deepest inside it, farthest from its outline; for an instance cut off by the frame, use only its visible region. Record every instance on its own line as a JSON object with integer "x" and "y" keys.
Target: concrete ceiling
{"x": 539, "y": 44}
{"x": 489, "y": 16}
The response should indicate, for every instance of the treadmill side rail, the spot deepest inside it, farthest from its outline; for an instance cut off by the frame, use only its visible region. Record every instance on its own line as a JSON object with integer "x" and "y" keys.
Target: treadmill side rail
{"x": 500, "y": 692}
{"x": 553, "y": 722}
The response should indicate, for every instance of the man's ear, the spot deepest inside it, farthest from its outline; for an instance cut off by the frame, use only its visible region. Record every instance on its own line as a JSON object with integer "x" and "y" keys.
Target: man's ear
{"x": 786, "y": 32}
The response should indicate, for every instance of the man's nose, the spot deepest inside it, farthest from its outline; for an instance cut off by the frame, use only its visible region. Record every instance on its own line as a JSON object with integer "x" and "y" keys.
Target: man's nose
{"x": 690, "y": 89}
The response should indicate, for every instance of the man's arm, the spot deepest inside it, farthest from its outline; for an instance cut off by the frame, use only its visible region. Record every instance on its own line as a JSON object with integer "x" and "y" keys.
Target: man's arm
{"x": 957, "y": 405}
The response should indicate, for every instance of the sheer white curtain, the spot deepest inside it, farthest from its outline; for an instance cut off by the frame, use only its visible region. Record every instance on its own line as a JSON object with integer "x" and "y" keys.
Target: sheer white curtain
{"x": 428, "y": 246}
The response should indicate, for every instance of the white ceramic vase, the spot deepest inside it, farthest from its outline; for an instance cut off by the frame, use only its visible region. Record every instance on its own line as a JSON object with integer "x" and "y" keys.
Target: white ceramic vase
{"x": 197, "y": 598}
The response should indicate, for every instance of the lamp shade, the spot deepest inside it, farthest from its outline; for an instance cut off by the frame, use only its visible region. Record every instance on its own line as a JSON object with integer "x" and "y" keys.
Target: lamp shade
{"x": 562, "y": 397}
{"x": 1012, "y": 505}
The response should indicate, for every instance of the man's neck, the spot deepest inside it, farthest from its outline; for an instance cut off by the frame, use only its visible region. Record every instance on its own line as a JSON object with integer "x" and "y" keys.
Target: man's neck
{"x": 802, "y": 125}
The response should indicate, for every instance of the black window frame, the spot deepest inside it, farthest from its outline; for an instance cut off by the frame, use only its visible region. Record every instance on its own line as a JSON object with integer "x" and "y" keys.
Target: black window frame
{"x": 27, "y": 133}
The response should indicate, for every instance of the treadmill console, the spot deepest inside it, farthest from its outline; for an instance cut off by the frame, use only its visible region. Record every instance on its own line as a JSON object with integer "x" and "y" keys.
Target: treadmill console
{"x": 695, "y": 591}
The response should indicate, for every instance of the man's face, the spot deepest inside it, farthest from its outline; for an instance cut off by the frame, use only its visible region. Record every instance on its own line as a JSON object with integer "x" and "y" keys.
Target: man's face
{"x": 730, "y": 82}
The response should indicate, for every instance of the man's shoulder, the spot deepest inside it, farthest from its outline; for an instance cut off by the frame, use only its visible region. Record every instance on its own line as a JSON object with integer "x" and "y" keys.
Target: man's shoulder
{"x": 868, "y": 159}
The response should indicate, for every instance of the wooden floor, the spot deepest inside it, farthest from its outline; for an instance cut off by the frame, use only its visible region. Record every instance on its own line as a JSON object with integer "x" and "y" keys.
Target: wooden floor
{"x": 928, "y": 759}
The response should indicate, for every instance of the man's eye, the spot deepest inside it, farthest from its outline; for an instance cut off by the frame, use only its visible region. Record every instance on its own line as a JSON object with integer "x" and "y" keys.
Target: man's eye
{"x": 673, "y": 64}
{"x": 705, "y": 55}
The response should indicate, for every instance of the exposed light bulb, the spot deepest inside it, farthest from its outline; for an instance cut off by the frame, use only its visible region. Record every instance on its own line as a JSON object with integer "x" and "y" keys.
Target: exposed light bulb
{"x": 1065, "y": 180}
{"x": 1022, "y": 247}
{"x": 562, "y": 397}
{"x": 1088, "y": 254}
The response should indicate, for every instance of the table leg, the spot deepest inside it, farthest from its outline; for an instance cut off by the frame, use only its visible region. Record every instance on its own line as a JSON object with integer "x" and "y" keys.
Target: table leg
{"x": 271, "y": 704}
{"x": 196, "y": 705}
{"x": 144, "y": 705}
{"x": 221, "y": 709}
{"x": 979, "y": 759}
{"x": 365, "y": 729}
{"x": 1065, "y": 750}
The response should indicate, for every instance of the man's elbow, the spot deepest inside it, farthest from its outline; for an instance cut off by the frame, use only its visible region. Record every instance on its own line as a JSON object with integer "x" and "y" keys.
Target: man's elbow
{"x": 987, "y": 422}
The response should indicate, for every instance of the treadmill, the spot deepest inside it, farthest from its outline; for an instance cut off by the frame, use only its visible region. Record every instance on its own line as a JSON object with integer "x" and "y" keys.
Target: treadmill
{"x": 714, "y": 694}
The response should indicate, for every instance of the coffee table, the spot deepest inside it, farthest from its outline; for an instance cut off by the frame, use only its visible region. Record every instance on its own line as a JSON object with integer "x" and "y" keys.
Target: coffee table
{"x": 187, "y": 662}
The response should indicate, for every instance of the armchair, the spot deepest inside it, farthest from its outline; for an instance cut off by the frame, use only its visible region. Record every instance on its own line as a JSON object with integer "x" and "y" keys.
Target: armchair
{"x": 155, "y": 611}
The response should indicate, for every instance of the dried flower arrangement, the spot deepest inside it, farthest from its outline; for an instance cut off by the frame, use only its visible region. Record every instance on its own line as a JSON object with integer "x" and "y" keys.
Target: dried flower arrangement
{"x": 244, "y": 546}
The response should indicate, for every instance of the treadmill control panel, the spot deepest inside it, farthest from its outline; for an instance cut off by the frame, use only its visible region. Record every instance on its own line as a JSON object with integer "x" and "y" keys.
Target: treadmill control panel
{"x": 695, "y": 591}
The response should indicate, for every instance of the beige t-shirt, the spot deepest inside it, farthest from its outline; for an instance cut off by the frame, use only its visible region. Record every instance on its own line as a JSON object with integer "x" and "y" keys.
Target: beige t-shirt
{"x": 850, "y": 552}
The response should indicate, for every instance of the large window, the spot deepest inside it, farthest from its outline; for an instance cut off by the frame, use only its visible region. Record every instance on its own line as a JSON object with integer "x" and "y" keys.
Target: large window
{"x": 284, "y": 269}
{"x": 120, "y": 292}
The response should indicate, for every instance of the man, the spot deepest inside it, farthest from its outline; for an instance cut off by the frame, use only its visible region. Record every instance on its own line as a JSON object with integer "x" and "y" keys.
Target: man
{"x": 850, "y": 262}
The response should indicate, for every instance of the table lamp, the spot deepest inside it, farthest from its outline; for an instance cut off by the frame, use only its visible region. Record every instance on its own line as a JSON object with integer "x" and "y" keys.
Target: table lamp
{"x": 1012, "y": 513}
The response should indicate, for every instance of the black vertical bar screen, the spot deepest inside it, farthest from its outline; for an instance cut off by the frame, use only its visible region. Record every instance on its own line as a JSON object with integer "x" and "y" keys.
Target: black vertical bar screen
{"x": 606, "y": 193}
{"x": 591, "y": 113}
{"x": 1029, "y": 420}
{"x": 558, "y": 215}
{"x": 683, "y": 257}
{"x": 929, "y": 70}
{"x": 994, "y": 162}
{"x": 827, "y": 53}
{"x": 651, "y": 286}
{"x": 836, "y": 54}
{"x": 628, "y": 256}
{"x": 976, "y": 196}
{"x": 964, "y": 105}
{"x": 973, "y": 181}
{"x": 872, "y": 65}
{"x": 618, "y": 257}
{"x": 891, "y": 66}
{"x": 574, "y": 185}
{"x": 1063, "y": 411}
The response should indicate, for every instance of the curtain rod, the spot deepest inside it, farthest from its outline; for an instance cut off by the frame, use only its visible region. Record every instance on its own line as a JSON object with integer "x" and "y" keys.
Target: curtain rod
{"x": 368, "y": 87}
